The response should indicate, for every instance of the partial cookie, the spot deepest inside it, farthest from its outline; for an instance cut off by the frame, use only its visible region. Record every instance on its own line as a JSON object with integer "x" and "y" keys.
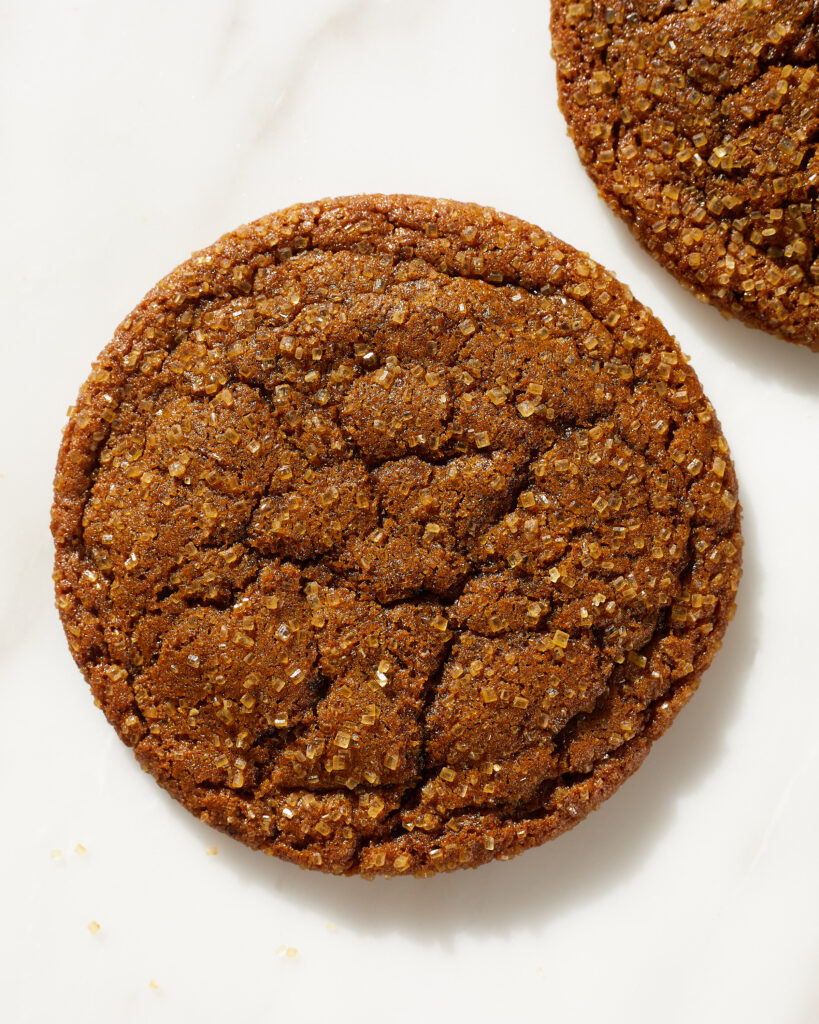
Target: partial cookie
{"x": 698, "y": 121}
{"x": 391, "y": 532}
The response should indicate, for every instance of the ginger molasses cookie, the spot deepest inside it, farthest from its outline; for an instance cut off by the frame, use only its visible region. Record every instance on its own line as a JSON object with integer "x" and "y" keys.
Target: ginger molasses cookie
{"x": 698, "y": 121}
{"x": 391, "y": 532}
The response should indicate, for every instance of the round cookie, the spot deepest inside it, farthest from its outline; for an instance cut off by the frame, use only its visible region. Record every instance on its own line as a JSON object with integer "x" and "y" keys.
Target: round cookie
{"x": 698, "y": 121}
{"x": 390, "y": 532}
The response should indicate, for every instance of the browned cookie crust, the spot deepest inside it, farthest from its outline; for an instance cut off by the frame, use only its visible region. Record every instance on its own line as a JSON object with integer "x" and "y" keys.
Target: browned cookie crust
{"x": 390, "y": 533}
{"x": 698, "y": 120}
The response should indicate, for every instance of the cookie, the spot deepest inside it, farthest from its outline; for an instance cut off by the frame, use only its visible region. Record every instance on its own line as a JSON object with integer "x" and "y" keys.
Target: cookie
{"x": 390, "y": 532}
{"x": 698, "y": 122}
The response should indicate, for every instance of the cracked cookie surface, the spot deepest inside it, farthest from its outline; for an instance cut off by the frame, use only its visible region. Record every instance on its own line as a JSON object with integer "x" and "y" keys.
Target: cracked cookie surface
{"x": 391, "y": 532}
{"x": 698, "y": 120}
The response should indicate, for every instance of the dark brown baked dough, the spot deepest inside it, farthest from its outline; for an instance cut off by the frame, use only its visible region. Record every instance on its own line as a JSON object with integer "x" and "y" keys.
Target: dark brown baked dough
{"x": 390, "y": 532}
{"x": 698, "y": 120}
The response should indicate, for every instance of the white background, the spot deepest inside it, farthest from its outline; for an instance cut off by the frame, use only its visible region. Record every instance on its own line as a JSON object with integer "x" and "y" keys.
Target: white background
{"x": 132, "y": 134}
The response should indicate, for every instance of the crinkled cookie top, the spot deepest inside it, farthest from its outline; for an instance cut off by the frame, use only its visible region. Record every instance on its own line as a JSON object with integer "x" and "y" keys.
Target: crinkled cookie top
{"x": 390, "y": 532}
{"x": 699, "y": 122}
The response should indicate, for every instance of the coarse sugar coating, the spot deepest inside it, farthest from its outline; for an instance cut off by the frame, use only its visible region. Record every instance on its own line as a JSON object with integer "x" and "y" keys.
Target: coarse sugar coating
{"x": 698, "y": 120}
{"x": 391, "y": 532}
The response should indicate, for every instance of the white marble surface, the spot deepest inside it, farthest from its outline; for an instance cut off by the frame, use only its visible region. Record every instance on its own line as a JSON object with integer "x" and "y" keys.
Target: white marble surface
{"x": 134, "y": 133}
